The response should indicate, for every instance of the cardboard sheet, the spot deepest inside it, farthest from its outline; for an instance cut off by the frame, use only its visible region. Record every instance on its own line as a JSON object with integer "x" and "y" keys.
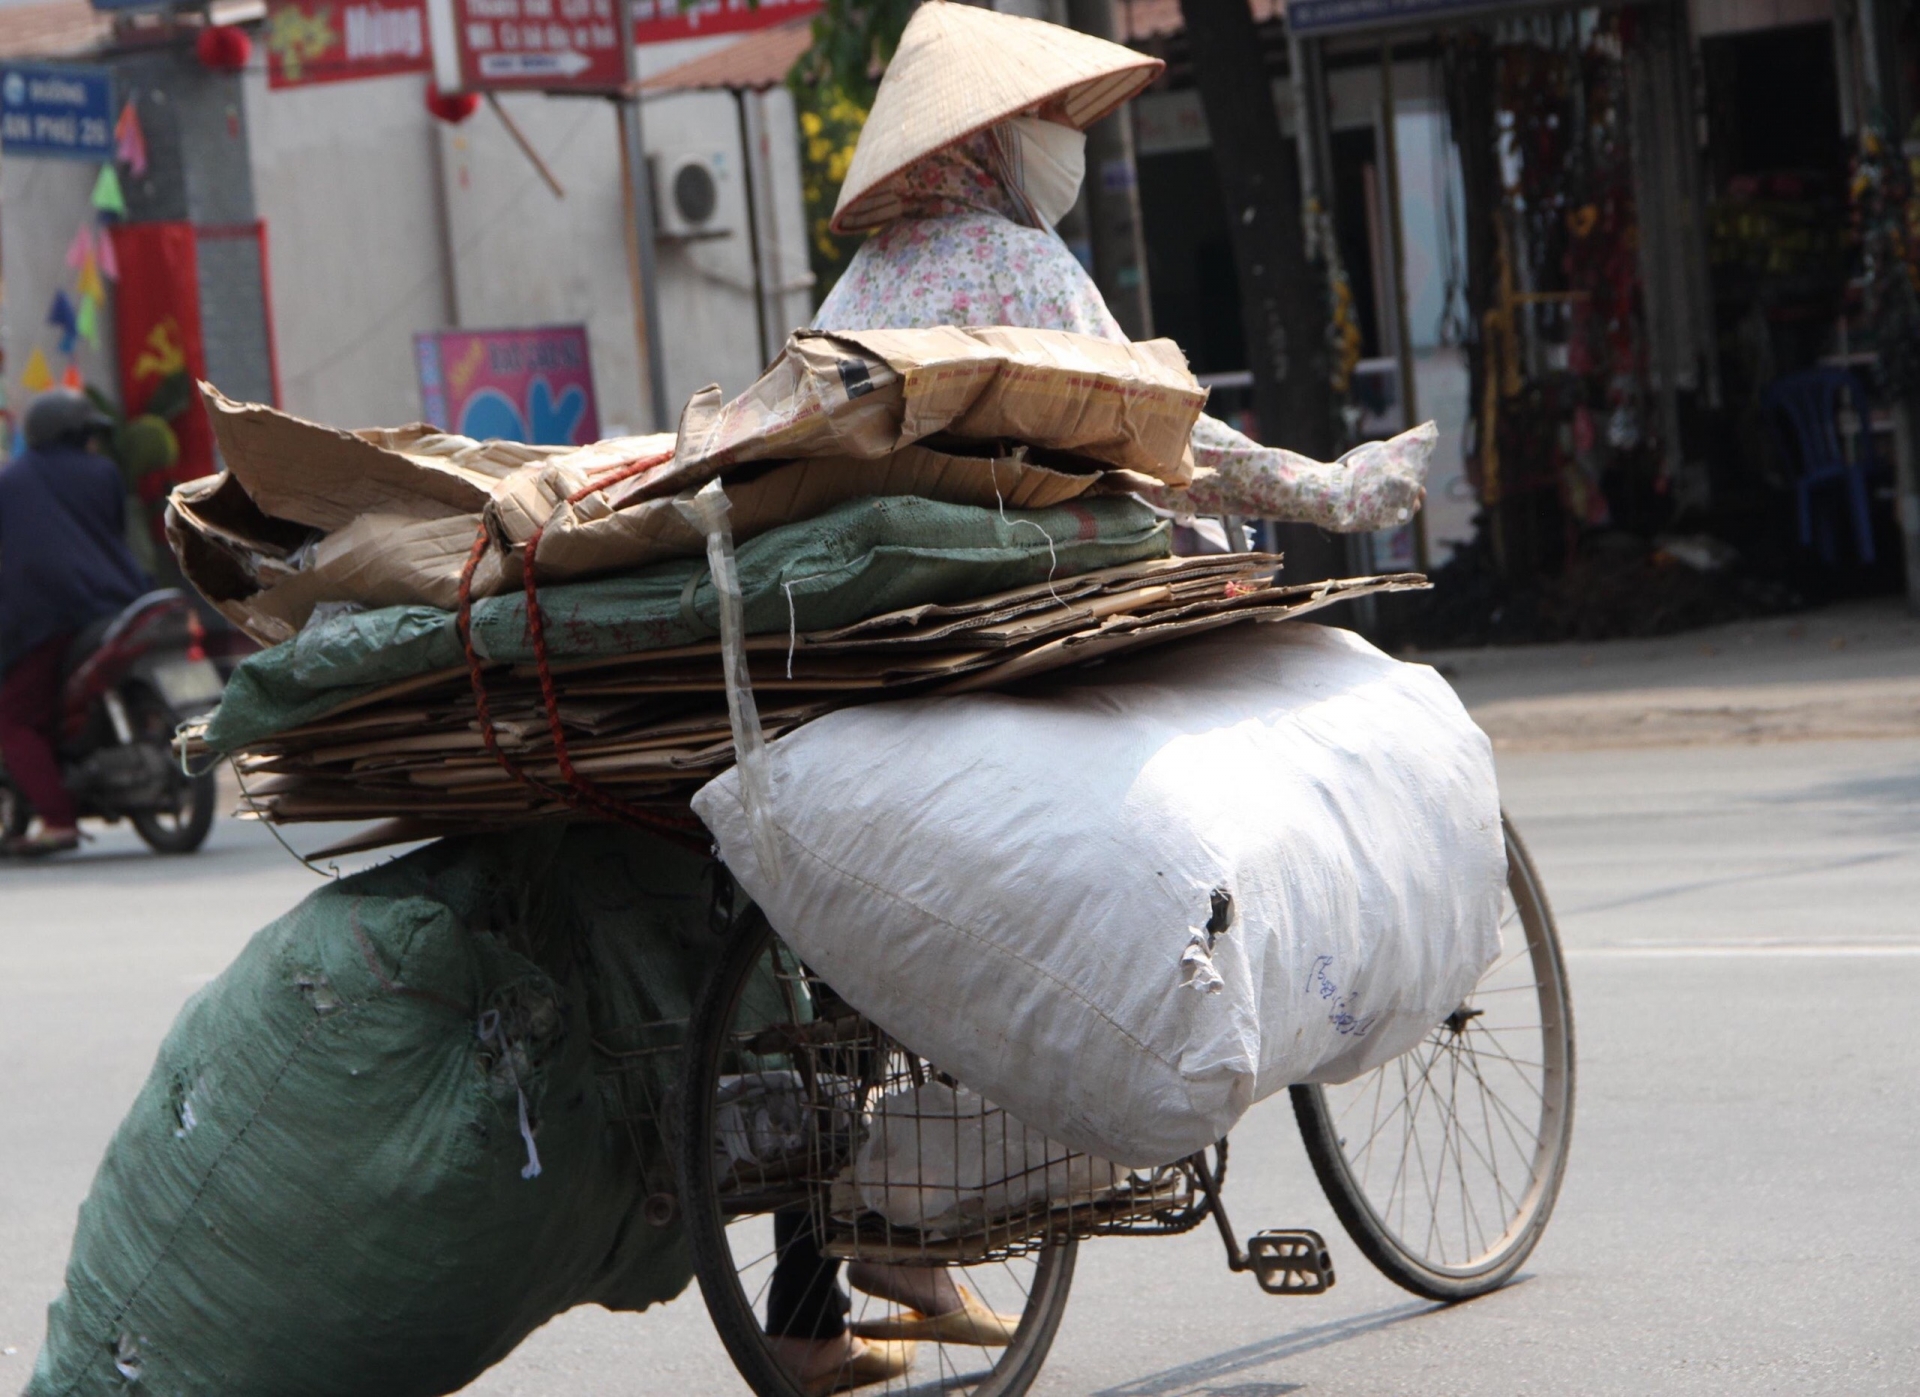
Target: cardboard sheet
{"x": 321, "y": 476}
{"x": 870, "y": 392}
{"x": 600, "y": 533}
{"x": 652, "y": 724}
{"x": 993, "y": 417}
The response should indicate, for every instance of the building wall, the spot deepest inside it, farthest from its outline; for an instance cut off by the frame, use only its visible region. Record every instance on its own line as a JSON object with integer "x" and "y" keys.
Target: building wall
{"x": 707, "y": 286}
{"x": 42, "y": 202}
{"x": 523, "y": 257}
{"x": 346, "y": 177}
{"x": 382, "y": 222}
{"x": 784, "y": 216}
{"x": 197, "y": 143}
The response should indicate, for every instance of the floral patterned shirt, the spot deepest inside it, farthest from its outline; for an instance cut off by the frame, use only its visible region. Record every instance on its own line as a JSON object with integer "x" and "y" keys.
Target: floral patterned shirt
{"x": 965, "y": 255}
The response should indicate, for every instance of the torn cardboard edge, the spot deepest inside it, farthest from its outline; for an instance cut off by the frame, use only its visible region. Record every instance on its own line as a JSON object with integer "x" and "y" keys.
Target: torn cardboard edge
{"x": 932, "y": 413}
{"x": 326, "y": 478}
{"x": 867, "y": 393}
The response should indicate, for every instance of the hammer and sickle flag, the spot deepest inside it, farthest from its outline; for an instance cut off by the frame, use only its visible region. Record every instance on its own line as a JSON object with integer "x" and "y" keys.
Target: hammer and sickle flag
{"x": 157, "y": 322}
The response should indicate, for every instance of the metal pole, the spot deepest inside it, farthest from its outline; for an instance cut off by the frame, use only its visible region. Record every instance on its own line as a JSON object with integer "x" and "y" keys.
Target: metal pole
{"x": 443, "y": 224}
{"x": 638, "y": 190}
{"x": 1397, "y": 257}
{"x": 1906, "y": 419}
{"x": 1906, "y": 414}
{"x": 749, "y": 177}
{"x": 1113, "y": 196}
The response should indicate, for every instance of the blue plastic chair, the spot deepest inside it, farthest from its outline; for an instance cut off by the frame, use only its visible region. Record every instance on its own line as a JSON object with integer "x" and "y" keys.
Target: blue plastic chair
{"x": 1809, "y": 403}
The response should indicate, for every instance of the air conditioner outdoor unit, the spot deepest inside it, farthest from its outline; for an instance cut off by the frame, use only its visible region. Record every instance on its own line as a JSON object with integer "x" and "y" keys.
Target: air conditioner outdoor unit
{"x": 687, "y": 195}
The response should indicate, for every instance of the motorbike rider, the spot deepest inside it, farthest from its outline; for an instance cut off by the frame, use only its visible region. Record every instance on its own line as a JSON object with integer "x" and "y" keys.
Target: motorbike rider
{"x": 64, "y": 564}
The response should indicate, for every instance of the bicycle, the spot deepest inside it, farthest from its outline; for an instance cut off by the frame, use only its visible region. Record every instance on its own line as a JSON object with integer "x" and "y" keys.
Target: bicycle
{"x": 797, "y": 1118}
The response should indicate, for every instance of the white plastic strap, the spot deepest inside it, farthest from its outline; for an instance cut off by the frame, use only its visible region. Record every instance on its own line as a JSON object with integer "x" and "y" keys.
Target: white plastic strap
{"x": 706, "y": 509}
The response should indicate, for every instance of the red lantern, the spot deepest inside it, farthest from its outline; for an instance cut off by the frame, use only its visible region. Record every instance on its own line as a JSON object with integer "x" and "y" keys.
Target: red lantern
{"x": 225, "y": 48}
{"x": 452, "y": 107}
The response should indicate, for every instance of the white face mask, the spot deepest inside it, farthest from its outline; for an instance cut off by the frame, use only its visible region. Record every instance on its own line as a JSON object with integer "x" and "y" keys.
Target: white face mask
{"x": 1049, "y": 160}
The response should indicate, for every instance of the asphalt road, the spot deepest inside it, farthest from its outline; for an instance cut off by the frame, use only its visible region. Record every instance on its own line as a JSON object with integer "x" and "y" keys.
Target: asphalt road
{"x": 1739, "y": 1214}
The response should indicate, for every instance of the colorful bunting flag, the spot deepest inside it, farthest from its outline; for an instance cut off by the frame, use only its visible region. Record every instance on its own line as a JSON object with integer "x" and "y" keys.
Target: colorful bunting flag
{"x": 80, "y": 250}
{"x": 130, "y": 142}
{"x": 109, "y": 259}
{"x": 88, "y": 283}
{"x": 107, "y": 197}
{"x": 38, "y": 378}
{"x": 71, "y": 380}
{"x": 61, "y": 316}
{"x": 87, "y": 320}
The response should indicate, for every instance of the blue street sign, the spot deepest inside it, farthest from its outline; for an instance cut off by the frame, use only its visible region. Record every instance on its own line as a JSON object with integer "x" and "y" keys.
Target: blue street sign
{"x": 54, "y": 109}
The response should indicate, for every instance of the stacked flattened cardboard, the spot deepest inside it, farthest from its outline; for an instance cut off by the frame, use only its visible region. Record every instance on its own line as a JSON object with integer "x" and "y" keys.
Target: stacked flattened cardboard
{"x": 651, "y": 727}
{"x": 310, "y": 520}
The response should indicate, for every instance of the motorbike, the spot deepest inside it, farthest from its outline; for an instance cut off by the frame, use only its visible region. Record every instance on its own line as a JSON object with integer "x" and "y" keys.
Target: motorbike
{"x": 130, "y": 680}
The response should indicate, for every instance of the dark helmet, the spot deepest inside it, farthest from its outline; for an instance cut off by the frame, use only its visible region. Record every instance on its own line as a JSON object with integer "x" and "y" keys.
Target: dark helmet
{"x": 63, "y": 417}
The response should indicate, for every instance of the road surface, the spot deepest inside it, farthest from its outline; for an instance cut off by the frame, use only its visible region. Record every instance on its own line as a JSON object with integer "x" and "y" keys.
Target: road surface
{"x": 1739, "y": 1214}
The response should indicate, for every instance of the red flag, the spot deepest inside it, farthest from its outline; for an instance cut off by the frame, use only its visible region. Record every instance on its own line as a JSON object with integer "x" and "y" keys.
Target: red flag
{"x": 158, "y": 319}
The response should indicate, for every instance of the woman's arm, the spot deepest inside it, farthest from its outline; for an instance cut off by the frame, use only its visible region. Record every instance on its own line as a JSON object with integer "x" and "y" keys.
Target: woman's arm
{"x": 1376, "y": 485}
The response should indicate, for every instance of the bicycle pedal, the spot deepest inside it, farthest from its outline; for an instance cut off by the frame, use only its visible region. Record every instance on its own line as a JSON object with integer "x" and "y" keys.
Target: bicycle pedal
{"x": 1290, "y": 1262}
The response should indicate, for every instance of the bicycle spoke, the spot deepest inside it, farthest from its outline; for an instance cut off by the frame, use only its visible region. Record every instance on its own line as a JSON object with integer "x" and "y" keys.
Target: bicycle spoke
{"x": 1448, "y": 1155}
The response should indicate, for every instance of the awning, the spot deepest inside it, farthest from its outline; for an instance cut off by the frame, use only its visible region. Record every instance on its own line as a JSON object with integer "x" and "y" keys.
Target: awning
{"x": 60, "y": 30}
{"x": 1140, "y": 20}
{"x": 759, "y": 61}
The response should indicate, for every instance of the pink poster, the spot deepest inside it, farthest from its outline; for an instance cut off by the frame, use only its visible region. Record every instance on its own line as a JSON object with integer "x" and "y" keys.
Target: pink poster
{"x": 533, "y": 386}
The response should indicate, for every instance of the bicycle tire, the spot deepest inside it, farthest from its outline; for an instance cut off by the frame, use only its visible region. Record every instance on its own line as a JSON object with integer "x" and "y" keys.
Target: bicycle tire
{"x": 711, "y": 1035}
{"x": 1367, "y": 1211}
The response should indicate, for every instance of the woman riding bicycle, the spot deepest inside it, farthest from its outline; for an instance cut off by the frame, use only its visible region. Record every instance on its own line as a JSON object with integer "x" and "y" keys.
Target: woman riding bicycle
{"x": 973, "y": 152}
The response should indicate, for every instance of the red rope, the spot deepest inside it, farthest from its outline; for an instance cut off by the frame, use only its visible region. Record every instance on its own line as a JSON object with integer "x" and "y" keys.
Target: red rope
{"x": 463, "y": 621}
{"x": 578, "y": 791}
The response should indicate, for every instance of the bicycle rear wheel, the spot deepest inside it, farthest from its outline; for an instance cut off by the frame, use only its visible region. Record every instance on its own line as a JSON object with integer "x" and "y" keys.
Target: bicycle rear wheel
{"x": 780, "y": 1082}
{"x": 1444, "y": 1164}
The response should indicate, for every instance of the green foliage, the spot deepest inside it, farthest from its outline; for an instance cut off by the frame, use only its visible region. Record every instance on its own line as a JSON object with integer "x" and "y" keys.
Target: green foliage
{"x": 103, "y": 402}
{"x": 830, "y": 124}
{"x": 833, "y": 86}
{"x": 171, "y": 396}
{"x": 145, "y": 444}
{"x": 853, "y": 41}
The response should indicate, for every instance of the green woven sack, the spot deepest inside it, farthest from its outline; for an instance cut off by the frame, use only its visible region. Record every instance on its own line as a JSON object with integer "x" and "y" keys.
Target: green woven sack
{"x": 325, "y": 1186}
{"x": 858, "y": 560}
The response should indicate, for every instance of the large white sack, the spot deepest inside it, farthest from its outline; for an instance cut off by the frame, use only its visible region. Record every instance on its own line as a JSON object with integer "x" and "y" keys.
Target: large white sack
{"x": 1015, "y": 886}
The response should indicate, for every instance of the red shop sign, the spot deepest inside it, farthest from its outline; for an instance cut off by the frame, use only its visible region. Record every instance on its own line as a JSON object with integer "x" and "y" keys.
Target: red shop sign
{"x": 311, "y": 41}
{"x": 537, "y": 45}
{"x": 656, "y": 21}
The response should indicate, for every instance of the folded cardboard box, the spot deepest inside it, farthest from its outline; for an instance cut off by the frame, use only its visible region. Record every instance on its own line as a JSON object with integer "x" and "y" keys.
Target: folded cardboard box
{"x": 868, "y": 393}
{"x": 995, "y": 417}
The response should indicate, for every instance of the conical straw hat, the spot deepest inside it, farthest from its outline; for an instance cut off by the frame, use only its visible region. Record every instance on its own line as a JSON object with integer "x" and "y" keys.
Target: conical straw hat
{"x": 960, "y": 69}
